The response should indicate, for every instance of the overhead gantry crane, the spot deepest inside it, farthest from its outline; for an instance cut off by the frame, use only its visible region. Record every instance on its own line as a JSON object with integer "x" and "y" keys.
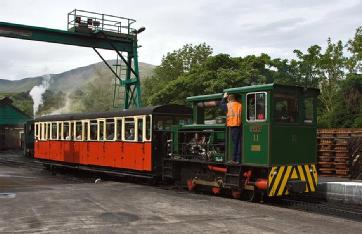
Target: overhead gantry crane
{"x": 97, "y": 31}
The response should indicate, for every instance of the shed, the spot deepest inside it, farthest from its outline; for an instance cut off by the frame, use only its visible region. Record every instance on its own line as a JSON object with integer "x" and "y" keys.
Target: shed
{"x": 11, "y": 125}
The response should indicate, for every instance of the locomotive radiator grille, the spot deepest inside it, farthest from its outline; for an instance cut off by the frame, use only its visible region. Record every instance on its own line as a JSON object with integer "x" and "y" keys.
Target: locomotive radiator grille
{"x": 298, "y": 178}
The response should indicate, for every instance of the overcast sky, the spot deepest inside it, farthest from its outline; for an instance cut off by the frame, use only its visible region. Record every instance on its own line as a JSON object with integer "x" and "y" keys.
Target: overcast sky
{"x": 236, "y": 27}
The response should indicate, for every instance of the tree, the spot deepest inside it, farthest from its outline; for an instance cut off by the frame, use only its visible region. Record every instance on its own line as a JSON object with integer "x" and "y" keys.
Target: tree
{"x": 173, "y": 65}
{"x": 308, "y": 66}
{"x": 348, "y": 101}
{"x": 331, "y": 70}
{"x": 355, "y": 48}
{"x": 217, "y": 73}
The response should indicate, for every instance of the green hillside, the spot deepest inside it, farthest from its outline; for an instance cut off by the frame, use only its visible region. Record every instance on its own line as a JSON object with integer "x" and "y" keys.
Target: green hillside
{"x": 80, "y": 89}
{"x": 69, "y": 80}
{"x": 18, "y": 86}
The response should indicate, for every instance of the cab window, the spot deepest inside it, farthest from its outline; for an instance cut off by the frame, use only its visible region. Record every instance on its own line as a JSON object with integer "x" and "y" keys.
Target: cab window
{"x": 256, "y": 107}
{"x": 285, "y": 108}
{"x": 308, "y": 110}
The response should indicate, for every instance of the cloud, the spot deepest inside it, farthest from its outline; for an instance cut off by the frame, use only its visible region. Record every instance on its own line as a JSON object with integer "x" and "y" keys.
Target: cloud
{"x": 236, "y": 27}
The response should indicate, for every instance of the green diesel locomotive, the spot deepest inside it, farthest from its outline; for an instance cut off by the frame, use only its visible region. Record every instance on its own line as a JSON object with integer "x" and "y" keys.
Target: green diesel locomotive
{"x": 279, "y": 150}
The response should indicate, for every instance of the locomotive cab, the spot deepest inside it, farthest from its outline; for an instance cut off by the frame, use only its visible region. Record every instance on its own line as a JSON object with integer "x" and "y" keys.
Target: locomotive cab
{"x": 279, "y": 133}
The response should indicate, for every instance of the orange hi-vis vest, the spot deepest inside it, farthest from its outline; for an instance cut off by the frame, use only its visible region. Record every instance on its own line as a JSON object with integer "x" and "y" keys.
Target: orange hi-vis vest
{"x": 233, "y": 115}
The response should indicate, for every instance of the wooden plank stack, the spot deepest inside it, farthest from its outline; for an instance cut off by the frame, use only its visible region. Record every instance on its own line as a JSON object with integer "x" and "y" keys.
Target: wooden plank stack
{"x": 334, "y": 151}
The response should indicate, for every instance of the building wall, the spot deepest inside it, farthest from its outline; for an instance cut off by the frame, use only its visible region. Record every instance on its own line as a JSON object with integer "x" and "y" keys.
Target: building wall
{"x": 11, "y": 125}
{"x": 10, "y": 137}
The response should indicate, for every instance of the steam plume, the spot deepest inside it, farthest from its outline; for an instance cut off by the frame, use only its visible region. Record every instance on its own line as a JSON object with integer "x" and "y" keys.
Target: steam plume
{"x": 37, "y": 92}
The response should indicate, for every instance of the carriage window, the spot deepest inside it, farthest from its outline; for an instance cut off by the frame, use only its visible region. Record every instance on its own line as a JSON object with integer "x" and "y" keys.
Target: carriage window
{"x": 308, "y": 110}
{"x": 54, "y": 131}
{"x": 101, "y": 129}
{"x": 59, "y": 128}
{"x": 148, "y": 128}
{"x": 36, "y": 132}
{"x": 110, "y": 129}
{"x": 163, "y": 123}
{"x": 256, "y": 107}
{"x": 44, "y": 131}
{"x": 140, "y": 129}
{"x": 119, "y": 129}
{"x": 78, "y": 131}
{"x": 93, "y": 130}
{"x": 48, "y": 130}
{"x": 41, "y": 134}
{"x": 71, "y": 131}
{"x": 183, "y": 120}
{"x": 86, "y": 131}
{"x": 285, "y": 108}
{"x": 66, "y": 135}
{"x": 129, "y": 129}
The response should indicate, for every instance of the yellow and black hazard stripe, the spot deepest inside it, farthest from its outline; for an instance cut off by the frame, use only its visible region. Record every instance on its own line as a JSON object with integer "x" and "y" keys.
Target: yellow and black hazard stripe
{"x": 280, "y": 175}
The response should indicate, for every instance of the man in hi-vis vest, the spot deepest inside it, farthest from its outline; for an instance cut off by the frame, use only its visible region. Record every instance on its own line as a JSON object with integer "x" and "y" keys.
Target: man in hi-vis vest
{"x": 233, "y": 110}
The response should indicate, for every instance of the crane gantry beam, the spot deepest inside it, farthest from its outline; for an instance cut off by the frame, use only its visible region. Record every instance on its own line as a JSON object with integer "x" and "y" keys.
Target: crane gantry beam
{"x": 96, "y": 31}
{"x": 91, "y": 40}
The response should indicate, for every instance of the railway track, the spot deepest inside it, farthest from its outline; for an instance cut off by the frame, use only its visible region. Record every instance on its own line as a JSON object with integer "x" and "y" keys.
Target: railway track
{"x": 28, "y": 163}
{"x": 320, "y": 206}
{"x": 302, "y": 203}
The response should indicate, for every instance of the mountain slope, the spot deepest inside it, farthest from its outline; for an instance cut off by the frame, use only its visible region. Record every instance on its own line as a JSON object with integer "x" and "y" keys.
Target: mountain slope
{"x": 69, "y": 80}
{"x": 18, "y": 86}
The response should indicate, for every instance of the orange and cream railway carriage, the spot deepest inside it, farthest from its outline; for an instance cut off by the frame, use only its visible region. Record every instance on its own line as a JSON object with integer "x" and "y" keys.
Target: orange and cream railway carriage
{"x": 129, "y": 141}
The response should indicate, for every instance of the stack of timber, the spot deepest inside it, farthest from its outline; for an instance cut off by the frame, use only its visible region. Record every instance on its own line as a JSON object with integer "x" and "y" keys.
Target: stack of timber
{"x": 339, "y": 152}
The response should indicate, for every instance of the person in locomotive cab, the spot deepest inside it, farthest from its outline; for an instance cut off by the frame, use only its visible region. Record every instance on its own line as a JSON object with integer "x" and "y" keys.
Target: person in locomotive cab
{"x": 233, "y": 110}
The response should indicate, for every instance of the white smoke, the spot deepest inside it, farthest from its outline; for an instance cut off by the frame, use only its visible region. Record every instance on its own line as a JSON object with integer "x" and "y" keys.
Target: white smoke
{"x": 37, "y": 92}
{"x": 64, "y": 109}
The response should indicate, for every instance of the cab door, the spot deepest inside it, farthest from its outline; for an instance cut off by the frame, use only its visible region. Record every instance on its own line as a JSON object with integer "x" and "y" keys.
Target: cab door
{"x": 255, "y": 129}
